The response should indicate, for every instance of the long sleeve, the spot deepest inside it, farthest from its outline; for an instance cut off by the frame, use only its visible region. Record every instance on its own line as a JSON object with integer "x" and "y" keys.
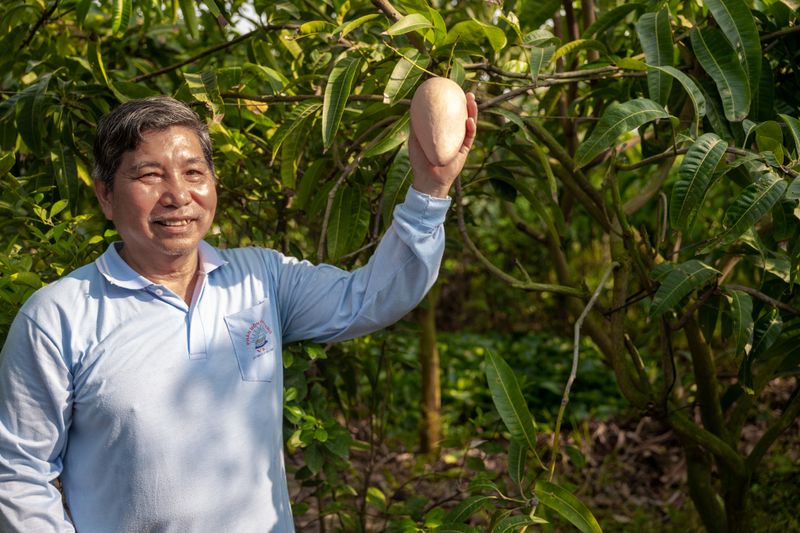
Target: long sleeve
{"x": 325, "y": 303}
{"x": 35, "y": 408}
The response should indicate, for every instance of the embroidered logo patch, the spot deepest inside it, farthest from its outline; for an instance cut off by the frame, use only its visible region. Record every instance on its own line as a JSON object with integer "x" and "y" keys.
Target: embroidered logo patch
{"x": 259, "y": 339}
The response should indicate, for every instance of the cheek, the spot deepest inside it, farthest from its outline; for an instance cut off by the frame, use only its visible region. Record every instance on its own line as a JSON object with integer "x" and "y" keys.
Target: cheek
{"x": 206, "y": 196}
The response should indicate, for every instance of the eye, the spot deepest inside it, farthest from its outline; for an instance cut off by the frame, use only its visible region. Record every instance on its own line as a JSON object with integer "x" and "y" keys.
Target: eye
{"x": 149, "y": 177}
{"x": 195, "y": 174}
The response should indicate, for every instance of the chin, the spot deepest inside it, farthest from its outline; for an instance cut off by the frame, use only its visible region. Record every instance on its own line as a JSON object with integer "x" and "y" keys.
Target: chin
{"x": 179, "y": 249}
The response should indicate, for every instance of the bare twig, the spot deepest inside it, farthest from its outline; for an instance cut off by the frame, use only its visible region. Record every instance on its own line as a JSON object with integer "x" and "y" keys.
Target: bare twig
{"x": 46, "y": 14}
{"x": 207, "y": 52}
{"x": 575, "y": 358}
{"x": 779, "y": 33}
{"x": 553, "y": 80}
{"x": 284, "y": 98}
{"x": 502, "y": 275}
{"x": 390, "y": 11}
{"x": 755, "y": 293}
{"x": 694, "y": 307}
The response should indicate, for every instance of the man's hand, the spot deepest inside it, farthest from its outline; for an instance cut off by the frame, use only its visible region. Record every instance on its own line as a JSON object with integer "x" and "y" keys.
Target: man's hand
{"x": 434, "y": 180}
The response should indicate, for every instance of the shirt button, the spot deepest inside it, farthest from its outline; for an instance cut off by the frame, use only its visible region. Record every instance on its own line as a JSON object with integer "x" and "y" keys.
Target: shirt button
{"x": 159, "y": 292}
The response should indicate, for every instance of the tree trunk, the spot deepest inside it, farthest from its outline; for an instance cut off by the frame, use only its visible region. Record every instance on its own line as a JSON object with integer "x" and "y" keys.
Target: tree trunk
{"x": 431, "y": 401}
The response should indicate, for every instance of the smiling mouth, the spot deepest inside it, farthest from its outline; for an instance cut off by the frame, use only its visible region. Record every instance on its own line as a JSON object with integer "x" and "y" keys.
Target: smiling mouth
{"x": 175, "y": 223}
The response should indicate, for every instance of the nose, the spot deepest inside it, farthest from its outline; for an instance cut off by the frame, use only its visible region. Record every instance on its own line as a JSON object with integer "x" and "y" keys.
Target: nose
{"x": 176, "y": 193}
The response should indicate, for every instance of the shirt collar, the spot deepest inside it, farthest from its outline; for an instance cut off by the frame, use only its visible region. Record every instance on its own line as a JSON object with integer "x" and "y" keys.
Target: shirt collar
{"x": 118, "y": 272}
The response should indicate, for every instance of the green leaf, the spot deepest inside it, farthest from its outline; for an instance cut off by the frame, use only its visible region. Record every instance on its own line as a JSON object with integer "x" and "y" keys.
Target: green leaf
{"x": 349, "y": 222}
{"x": 81, "y": 10}
{"x": 66, "y": 174}
{"x": 616, "y": 120}
{"x": 337, "y": 91}
{"x": 534, "y": 13}
{"x": 509, "y": 401}
{"x": 655, "y": 35}
{"x": 409, "y": 23}
{"x": 753, "y": 202}
{"x": 611, "y": 19}
{"x": 398, "y": 178}
{"x": 577, "y": 45}
{"x": 467, "y": 508}
{"x": 30, "y": 120}
{"x": 742, "y": 319}
{"x": 57, "y": 207}
{"x": 539, "y": 57}
{"x": 316, "y": 26}
{"x": 517, "y": 455}
{"x": 694, "y": 178}
{"x": 393, "y": 138}
{"x": 685, "y": 278}
{"x": 347, "y": 27}
{"x": 215, "y": 10}
{"x": 695, "y": 94}
{"x": 475, "y": 32}
{"x": 794, "y": 128}
{"x": 540, "y": 38}
{"x": 739, "y": 26}
{"x": 121, "y": 17}
{"x": 439, "y": 27}
{"x": 719, "y": 60}
{"x": 405, "y": 76}
{"x": 204, "y": 88}
{"x": 766, "y": 332}
{"x": 31, "y": 279}
{"x": 313, "y": 457}
{"x": 762, "y": 101}
{"x": 276, "y": 80}
{"x": 291, "y": 150}
{"x": 567, "y": 505}
{"x": 769, "y": 138}
{"x": 188, "y": 9}
{"x": 512, "y": 524}
{"x": 7, "y": 161}
{"x": 376, "y": 498}
{"x": 453, "y": 528}
{"x": 293, "y": 123}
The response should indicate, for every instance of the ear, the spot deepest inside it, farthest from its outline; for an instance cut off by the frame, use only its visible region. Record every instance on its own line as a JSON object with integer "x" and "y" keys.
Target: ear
{"x": 104, "y": 195}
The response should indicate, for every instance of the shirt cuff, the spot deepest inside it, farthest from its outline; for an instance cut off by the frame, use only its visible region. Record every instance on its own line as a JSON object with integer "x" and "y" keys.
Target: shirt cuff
{"x": 423, "y": 211}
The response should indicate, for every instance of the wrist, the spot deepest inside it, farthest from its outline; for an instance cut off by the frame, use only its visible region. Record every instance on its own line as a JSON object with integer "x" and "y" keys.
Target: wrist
{"x": 431, "y": 188}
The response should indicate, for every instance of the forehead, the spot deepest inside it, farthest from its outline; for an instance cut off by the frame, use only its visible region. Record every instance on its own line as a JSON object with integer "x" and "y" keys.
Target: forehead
{"x": 174, "y": 138}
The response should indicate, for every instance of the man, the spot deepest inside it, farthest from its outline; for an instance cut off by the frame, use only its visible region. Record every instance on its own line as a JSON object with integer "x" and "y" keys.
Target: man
{"x": 150, "y": 380}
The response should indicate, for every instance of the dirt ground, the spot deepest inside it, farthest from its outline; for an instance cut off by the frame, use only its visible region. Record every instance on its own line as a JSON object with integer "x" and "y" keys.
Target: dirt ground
{"x": 633, "y": 475}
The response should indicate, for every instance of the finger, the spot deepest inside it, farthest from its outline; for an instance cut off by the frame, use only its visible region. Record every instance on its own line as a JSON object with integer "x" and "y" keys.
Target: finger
{"x": 472, "y": 106}
{"x": 413, "y": 143}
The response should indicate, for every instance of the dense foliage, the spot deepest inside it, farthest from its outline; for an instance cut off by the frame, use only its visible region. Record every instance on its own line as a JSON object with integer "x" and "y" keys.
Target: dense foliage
{"x": 656, "y": 143}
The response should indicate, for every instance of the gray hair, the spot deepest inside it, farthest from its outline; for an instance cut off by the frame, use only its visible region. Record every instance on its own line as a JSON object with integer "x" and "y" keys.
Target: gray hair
{"x": 121, "y": 130}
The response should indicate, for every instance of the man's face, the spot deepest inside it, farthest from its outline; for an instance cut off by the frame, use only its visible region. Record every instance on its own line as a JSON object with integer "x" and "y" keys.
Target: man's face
{"x": 163, "y": 199}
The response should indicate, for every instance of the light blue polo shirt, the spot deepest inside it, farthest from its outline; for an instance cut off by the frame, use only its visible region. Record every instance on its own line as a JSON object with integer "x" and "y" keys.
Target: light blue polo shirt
{"x": 164, "y": 417}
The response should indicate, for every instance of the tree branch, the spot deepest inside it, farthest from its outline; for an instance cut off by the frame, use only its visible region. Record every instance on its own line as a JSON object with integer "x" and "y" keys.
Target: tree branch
{"x": 575, "y": 358}
{"x": 283, "y": 98}
{"x": 755, "y": 293}
{"x": 790, "y": 413}
{"x": 393, "y": 14}
{"x": 588, "y": 195}
{"x": 207, "y": 52}
{"x": 39, "y": 23}
{"x": 499, "y": 273}
{"x": 705, "y": 373}
{"x": 690, "y": 431}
